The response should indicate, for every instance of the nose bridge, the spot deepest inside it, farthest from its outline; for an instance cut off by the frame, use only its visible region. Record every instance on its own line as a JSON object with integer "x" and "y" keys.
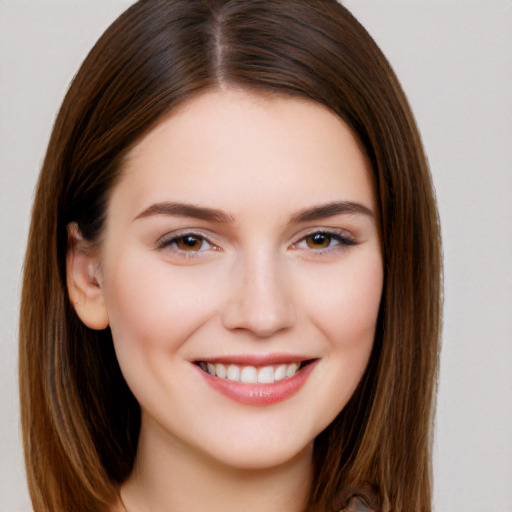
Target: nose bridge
{"x": 261, "y": 301}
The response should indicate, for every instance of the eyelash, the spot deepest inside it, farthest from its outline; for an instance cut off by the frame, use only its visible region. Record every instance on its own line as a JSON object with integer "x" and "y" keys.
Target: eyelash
{"x": 343, "y": 241}
{"x": 170, "y": 241}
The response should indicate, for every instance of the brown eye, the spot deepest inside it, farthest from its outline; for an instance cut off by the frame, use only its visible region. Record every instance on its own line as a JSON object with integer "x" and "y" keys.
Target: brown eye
{"x": 318, "y": 240}
{"x": 189, "y": 243}
{"x": 186, "y": 243}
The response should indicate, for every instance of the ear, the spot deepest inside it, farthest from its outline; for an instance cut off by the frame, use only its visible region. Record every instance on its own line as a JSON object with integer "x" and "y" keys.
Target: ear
{"x": 83, "y": 279}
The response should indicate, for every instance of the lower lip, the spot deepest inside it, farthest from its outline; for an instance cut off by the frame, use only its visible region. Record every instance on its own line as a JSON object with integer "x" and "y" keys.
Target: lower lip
{"x": 259, "y": 394}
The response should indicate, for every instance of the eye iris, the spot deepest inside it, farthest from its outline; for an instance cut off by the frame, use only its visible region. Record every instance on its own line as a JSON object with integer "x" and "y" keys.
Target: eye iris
{"x": 318, "y": 241}
{"x": 189, "y": 243}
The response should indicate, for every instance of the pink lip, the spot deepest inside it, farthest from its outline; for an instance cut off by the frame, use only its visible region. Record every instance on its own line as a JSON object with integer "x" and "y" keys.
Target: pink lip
{"x": 258, "y": 394}
{"x": 257, "y": 359}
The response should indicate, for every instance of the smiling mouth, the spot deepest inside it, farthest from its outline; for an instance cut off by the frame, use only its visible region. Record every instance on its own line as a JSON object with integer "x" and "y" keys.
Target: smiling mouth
{"x": 249, "y": 374}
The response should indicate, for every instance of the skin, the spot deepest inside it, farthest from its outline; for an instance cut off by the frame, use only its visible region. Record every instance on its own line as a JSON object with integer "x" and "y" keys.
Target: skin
{"x": 256, "y": 282}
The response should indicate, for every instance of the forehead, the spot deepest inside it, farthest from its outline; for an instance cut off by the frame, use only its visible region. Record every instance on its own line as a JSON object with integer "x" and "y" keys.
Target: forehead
{"x": 243, "y": 149}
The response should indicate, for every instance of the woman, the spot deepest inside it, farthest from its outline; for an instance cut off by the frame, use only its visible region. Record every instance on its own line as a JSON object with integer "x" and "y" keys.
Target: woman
{"x": 240, "y": 300}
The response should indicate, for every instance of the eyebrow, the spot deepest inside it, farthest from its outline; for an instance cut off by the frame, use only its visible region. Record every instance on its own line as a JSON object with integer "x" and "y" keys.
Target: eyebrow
{"x": 187, "y": 210}
{"x": 330, "y": 210}
{"x": 215, "y": 215}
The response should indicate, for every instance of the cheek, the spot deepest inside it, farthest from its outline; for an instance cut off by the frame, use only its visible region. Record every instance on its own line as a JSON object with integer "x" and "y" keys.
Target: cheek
{"x": 346, "y": 313}
{"x": 345, "y": 302}
{"x": 153, "y": 307}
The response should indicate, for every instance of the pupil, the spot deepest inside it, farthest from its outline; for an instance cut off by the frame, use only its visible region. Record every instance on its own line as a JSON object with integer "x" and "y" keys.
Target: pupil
{"x": 319, "y": 239}
{"x": 190, "y": 241}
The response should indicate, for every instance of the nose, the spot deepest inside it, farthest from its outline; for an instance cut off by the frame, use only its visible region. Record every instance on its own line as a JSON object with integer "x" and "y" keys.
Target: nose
{"x": 259, "y": 301}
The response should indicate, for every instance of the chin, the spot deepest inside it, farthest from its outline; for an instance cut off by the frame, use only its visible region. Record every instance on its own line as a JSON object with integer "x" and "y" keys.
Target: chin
{"x": 252, "y": 453}
{"x": 258, "y": 459}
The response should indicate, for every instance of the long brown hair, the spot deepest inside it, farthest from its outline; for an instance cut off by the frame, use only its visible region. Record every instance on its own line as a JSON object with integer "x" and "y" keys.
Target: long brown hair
{"x": 80, "y": 421}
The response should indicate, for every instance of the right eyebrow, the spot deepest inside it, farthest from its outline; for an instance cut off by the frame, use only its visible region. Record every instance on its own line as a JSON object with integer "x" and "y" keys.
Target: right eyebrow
{"x": 186, "y": 210}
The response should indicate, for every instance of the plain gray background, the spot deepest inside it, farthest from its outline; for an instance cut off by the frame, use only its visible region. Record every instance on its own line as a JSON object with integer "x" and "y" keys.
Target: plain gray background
{"x": 454, "y": 59}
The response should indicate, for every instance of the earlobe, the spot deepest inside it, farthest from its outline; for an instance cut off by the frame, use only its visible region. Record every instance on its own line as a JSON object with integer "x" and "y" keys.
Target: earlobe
{"x": 83, "y": 280}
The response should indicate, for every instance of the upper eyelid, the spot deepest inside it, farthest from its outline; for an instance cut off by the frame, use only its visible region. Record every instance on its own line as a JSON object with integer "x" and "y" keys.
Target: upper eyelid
{"x": 167, "y": 243}
{"x": 213, "y": 240}
{"x": 172, "y": 235}
{"x": 340, "y": 232}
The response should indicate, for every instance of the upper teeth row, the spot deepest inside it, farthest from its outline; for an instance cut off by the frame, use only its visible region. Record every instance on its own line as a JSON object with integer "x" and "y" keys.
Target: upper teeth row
{"x": 251, "y": 374}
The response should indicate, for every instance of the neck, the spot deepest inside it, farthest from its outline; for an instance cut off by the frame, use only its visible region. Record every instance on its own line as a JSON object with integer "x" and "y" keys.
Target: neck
{"x": 174, "y": 478}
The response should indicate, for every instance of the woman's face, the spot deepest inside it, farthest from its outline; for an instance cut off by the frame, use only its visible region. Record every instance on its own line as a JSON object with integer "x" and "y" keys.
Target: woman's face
{"x": 242, "y": 274}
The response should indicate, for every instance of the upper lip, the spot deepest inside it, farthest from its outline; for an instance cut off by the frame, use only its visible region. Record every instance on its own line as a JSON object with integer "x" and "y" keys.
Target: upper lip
{"x": 256, "y": 359}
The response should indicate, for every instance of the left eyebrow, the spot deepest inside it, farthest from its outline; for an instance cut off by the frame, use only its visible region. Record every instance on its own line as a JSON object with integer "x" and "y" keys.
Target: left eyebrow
{"x": 330, "y": 210}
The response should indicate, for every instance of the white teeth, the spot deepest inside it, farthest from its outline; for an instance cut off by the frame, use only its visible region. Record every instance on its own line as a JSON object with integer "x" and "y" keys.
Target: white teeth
{"x": 266, "y": 375}
{"x": 249, "y": 375}
{"x": 220, "y": 370}
{"x": 291, "y": 369}
{"x": 280, "y": 372}
{"x": 233, "y": 372}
